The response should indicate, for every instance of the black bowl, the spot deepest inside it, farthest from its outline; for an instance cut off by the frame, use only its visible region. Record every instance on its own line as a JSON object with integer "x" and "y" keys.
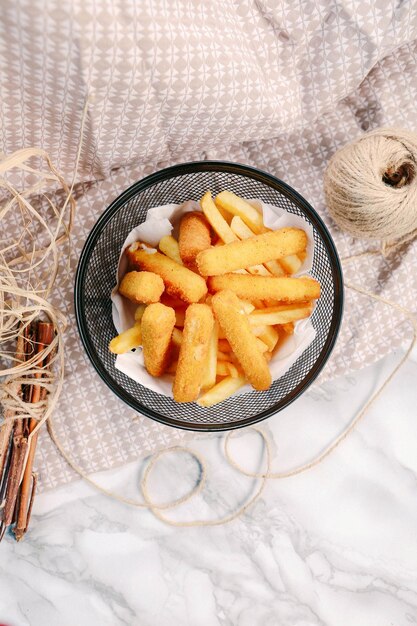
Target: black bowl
{"x": 95, "y": 279}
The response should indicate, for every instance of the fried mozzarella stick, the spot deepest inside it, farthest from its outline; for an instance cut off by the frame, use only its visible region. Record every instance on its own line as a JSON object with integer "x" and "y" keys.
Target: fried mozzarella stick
{"x": 194, "y": 236}
{"x": 192, "y": 359}
{"x": 142, "y": 287}
{"x": 157, "y": 324}
{"x": 254, "y": 251}
{"x": 179, "y": 281}
{"x": 236, "y": 327}
{"x": 277, "y": 288}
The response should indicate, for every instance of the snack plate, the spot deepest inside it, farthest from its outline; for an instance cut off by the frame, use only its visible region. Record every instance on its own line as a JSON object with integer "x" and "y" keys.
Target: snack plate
{"x": 96, "y": 273}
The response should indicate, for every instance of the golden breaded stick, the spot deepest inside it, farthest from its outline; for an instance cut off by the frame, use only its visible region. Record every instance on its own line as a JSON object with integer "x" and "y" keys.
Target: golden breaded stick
{"x": 126, "y": 341}
{"x": 217, "y": 221}
{"x": 145, "y": 287}
{"x": 249, "y": 252}
{"x": 284, "y": 289}
{"x": 227, "y": 309}
{"x": 287, "y": 265}
{"x": 179, "y": 281}
{"x": 209, "y": 377}
{"x": 169, "y": 246}
{"x": 157, "y": 325}
{"x": 244, "y": 232}
{"x": 238, "y": 206}
{"x": 194, "y": 236}
{"x": 192, "y": 359}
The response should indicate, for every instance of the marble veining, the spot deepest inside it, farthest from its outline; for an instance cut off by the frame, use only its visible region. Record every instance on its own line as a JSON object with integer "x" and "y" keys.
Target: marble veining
{"x": 336, "y": 546}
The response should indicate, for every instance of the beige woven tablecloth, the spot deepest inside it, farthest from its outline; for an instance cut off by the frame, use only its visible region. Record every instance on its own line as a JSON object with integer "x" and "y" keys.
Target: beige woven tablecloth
{"x": 276, "y": 84}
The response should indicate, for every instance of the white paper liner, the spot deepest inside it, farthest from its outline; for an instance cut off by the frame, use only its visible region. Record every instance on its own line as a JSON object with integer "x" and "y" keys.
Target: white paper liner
{"x": 164, "y": 220}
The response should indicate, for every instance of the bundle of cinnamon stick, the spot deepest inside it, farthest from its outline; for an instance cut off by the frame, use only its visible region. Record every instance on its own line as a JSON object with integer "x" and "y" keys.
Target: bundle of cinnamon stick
{"x": 17, "y": 445}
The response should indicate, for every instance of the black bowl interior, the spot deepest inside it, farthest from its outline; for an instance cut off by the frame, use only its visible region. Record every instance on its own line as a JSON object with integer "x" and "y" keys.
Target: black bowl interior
{"x": 96, "y": 277}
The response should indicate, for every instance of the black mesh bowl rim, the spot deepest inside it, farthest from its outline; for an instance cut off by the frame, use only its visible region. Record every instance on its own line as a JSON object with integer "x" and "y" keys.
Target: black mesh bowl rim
{"x": 180, "y": 170}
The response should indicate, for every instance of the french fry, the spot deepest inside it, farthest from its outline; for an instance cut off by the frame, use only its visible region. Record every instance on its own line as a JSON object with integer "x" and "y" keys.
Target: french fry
{"x": 225, "y": 214}
{"x": 247, "y": 307}
{"x": 291, "y": 264}
{"x": 288, "y": 328}
{"x": 238, "y": 206}
{"x": 140, "y": 310}
{"x": 279, "y": 315}
{"x": 235, "y": 372}
{"x": 223, "y": 390}
{"x": 241, "y": 230}
{"x": 285, "y": 289}
{"x": 275, "y": 268}
{"x": 176, "y": 337}
{"x": 222, "y": 369}
{"x": 261, "y": 345}
{"x": 225, "y": 368}
{"x": 258, "y": 270}
{"x": 126, "y": 341}
{"x": 248, "y": 252}
{"x": 209, "y": 377}
{"x": 258, "y": 330}
{"x": 224, "y": 345}
{"x": 223, "y": 356}
{"x": 169, "y": 246}
{"x": 270, "y": 337}
{"x": 217, "y": 221}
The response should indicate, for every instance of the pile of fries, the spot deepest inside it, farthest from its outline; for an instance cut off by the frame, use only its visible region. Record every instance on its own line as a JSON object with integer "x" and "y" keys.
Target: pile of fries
{"x": 215, "y": 306}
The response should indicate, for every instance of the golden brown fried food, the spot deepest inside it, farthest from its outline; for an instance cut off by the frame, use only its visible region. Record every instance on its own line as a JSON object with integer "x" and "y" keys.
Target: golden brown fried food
{"x": 254, "y": 251}
{"x": 192, "y": 359}
{"x": 228, "y": 311}
{"x": 142, "y": 287}
{"x": 126, "y": 341}
{"x": 237, "y": 206}
{"x": 194, "y": 236}
{"x": 284, "y": 289}
{"x": 157, "y": 325}
{"x": 179, "y": 281}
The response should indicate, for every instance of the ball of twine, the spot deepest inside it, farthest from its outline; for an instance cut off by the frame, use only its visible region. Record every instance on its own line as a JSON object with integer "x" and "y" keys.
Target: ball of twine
{"x": 371, "y": 186}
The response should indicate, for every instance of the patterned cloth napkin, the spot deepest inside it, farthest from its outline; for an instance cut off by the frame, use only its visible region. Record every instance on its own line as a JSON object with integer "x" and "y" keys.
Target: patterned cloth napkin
{"x": 278, "y": 85}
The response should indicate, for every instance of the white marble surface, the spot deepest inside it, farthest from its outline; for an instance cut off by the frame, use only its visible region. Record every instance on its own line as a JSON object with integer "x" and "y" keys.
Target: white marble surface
{"x": 336, "y": 546}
